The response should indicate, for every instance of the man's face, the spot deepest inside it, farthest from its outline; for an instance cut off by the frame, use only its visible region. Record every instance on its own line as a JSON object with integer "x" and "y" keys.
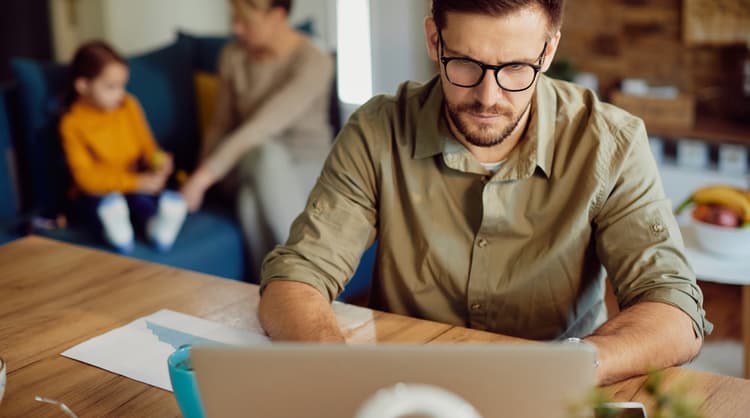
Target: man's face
{"x": 486, "y": 114}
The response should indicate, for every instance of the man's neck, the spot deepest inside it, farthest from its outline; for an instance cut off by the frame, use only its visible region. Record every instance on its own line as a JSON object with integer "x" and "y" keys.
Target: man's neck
{"x": 497, "y": 152}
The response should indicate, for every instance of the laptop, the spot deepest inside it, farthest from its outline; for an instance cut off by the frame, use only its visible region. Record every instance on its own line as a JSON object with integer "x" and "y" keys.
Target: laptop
{"x": 335, "y": 381}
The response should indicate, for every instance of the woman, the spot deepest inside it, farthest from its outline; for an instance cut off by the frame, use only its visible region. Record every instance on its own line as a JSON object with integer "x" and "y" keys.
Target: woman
{"x": 270, "y": 134}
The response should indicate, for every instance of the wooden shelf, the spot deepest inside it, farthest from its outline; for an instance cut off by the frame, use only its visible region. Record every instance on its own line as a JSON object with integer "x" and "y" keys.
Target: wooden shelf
{"x": 715, "y": 131}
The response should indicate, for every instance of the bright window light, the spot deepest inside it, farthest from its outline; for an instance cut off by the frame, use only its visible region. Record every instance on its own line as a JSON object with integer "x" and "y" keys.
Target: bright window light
{"x": 354, "y": 52}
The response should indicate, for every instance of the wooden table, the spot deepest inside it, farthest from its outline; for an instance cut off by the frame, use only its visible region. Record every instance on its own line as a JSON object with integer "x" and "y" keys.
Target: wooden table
{"x": 54, "y": 296}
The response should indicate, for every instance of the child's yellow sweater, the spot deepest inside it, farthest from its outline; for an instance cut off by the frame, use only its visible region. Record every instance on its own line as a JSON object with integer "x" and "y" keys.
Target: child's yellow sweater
{"x": 104, "y": 148}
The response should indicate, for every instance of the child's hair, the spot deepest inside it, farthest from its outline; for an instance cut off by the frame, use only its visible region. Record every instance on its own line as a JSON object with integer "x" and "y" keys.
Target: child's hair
{"x": 88, "y": 62}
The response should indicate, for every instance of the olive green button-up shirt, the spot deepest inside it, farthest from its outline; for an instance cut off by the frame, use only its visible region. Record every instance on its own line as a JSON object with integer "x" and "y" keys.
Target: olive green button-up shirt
{"x": 523, "y": 251}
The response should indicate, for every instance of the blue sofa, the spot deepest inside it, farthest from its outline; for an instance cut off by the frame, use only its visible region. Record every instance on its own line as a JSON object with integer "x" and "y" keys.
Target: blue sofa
{"x": 210, "y": 241}
{"x": 34, "y": 188}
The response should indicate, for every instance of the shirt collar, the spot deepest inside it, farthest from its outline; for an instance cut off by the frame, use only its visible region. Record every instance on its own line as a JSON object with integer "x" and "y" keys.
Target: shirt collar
{"x": 535, "y": 149}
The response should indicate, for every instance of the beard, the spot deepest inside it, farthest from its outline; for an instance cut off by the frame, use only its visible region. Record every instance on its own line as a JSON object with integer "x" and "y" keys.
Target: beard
{"x": 483, "y": 135}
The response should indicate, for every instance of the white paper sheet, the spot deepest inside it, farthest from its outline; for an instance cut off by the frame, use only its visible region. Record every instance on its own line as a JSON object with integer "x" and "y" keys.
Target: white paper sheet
{"x": 139, "y": 350}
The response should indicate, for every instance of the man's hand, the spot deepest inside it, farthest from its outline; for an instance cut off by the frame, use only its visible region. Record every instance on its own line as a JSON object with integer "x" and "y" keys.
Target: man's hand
{"x": 293, "y": 311}
{"x": 195, "y": 188}
{"x": 644, "y": 337}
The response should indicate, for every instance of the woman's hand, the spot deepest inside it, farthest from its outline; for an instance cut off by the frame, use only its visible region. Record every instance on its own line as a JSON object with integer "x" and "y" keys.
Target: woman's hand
{"x": 195, "y": 188}
{"x": 151, "y": 183}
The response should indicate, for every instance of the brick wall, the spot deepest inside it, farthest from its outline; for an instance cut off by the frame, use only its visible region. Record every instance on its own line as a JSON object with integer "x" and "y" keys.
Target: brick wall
{"x": 617, "y": 39}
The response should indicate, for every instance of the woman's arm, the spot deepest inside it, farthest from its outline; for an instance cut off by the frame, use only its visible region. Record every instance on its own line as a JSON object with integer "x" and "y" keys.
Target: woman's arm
{"x": 310, "y": 80}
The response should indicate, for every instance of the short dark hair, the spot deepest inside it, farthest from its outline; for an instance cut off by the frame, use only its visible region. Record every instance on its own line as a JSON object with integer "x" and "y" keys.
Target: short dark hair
{"x": 497, "y": 8}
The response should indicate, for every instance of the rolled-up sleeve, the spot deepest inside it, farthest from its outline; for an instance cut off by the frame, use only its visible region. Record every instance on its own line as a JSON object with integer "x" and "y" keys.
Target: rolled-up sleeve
{"x": 327, "y": 240}
{"x": 637, "y": 237}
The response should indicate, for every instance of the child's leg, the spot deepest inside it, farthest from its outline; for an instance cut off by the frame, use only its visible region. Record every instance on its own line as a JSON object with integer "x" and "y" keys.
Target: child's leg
{"x": 112, "y": 211}
{"x": 142, "y": 208}
{"x": 163, "y": 227}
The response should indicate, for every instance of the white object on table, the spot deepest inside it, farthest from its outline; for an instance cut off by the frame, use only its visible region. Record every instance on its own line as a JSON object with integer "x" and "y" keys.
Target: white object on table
{"x": 710, "y": 267}
{"x": 679, "y": 182}
{"x": 724, "y": 242}
{"x": 657, "y": 148}
{"x": 692, "y": 154}
{"x": 139, "y": 350}
{"x": 733, "y": 159}
{"x": 3, "y": 377}
{"x": 588, "y": 80}
{"x": 634, "y": 86}
{"x": 416, "y": 399}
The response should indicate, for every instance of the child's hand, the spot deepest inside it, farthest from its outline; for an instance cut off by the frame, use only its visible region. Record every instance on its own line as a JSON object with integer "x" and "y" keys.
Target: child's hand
{"x": 163, "y": 163}
{"x": 151, "y": 183}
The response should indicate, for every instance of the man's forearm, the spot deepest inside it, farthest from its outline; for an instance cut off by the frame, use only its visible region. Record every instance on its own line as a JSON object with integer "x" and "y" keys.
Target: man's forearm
{"x": 644, "y": 337}
{"x": 293, "y": 311}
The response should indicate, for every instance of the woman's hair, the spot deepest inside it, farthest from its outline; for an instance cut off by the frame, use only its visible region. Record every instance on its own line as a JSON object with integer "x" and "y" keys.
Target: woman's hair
{"x": 88, "y": 62}
{"x": 498, "y": 8}
{"x": 270, "y": 4}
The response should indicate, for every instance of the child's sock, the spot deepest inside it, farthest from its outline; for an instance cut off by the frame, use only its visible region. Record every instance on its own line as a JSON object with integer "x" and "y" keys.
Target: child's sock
{"x": 162, "y": 228}
{"x": 115, "y": 218}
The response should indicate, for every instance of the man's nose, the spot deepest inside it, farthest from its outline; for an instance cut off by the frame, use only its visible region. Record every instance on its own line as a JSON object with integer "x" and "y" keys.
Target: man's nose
{"x": 488, "y": 92}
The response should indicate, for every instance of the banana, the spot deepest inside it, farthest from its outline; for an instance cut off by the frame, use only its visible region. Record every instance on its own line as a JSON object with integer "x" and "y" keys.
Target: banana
{"x": 728, "y": 196}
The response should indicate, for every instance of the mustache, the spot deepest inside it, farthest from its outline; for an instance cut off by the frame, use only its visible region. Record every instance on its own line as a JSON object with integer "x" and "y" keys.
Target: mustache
{"x": 478, "y": 108}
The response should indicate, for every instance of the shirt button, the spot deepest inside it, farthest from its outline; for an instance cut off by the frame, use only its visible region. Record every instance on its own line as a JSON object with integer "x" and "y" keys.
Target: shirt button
{"x": 476, "y": 306}
{"x": 482, "y": 243}
{"x": 657, "y": 228}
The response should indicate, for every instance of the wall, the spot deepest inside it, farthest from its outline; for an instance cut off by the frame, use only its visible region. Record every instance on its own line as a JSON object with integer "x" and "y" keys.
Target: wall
{"x": 642, "y": 38}
{"x": 135, "y": 26}
{"x": 398, "y": 44}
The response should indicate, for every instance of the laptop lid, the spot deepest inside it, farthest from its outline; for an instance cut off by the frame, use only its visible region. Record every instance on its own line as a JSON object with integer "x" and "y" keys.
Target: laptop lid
{"x": 334, "y": 381}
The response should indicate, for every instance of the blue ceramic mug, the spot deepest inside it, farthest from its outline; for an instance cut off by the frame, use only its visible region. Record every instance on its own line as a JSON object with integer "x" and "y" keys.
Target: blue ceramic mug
{"x": 185, "y": 386}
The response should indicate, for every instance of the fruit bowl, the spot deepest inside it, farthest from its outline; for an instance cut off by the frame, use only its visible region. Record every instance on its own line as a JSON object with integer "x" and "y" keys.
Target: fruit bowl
{"x": 721, "y": 216}
{"x": 721, "y": 240}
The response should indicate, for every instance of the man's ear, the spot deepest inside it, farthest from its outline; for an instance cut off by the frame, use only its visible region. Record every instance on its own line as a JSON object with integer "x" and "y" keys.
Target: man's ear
{"x": 81, "y": 86}
{"x": 431, "y": 37}
{"x": 549, "y": 55}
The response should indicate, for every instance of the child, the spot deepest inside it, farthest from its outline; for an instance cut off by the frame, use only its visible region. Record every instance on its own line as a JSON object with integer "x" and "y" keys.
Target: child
{"x": 118, "y": 171}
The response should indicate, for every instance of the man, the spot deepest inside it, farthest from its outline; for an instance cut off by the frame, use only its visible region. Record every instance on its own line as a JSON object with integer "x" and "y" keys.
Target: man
{"x": 499, "y": 198}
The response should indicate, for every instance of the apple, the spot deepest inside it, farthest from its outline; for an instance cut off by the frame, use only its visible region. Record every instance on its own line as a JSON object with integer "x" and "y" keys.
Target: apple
{"x": 717, "y": 215}
{"x": 724, "y": 216}
{"x": 703, "y": 213}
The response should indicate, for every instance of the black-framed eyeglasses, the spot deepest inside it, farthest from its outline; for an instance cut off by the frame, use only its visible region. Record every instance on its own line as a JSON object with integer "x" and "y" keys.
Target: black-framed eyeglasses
{"x": 512, "y": 76}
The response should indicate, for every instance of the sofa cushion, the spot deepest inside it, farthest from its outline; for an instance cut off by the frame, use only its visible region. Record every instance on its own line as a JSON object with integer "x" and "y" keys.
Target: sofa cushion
{"x": 39, "y": 89}
{"x": 9, "y": 200}
{"x": 205, "y": 50}
{"x": 209, "y": 242}
{"x": 162, "y": 82}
